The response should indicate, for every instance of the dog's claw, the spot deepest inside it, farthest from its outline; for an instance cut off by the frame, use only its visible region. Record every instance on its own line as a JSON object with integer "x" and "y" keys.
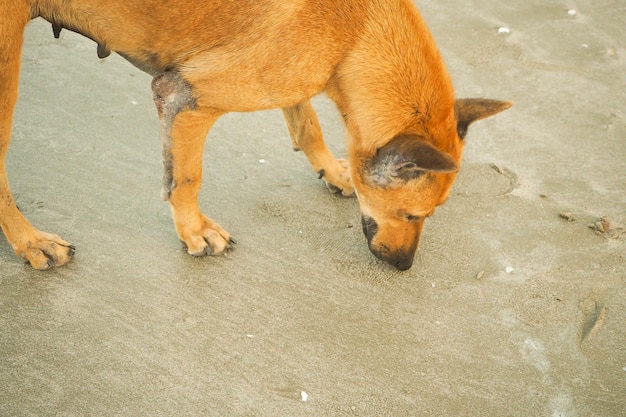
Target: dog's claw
{"x": 321, "y": 174}
{"x": 231, "y": 244}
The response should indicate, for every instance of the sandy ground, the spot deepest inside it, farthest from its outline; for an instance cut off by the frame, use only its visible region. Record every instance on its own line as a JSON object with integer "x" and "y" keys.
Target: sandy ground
{"x": 509, "y": 309}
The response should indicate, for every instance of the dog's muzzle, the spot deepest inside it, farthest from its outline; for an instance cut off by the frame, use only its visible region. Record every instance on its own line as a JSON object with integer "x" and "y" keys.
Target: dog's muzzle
{"x": 400, "y": 259}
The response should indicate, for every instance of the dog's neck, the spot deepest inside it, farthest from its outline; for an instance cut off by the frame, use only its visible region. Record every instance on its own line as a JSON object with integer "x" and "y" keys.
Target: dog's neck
{"x": 408, "y": 90}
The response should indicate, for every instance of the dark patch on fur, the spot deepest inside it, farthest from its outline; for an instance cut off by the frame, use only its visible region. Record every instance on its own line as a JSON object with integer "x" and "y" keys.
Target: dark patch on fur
{"x": 171, "y": 94}
{"x": 370, "y": 227}
{"x": 147, "y": 62}
{"x": 404, "y": 158}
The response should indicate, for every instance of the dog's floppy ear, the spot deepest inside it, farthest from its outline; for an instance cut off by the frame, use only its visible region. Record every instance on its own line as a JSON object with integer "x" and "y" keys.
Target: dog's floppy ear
{"x": 468, "y": 110}
{"x": 406, "y": 157}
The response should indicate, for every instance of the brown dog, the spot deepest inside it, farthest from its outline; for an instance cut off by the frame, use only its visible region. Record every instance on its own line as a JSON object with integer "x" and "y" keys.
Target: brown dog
{"x": 374, "y": 58}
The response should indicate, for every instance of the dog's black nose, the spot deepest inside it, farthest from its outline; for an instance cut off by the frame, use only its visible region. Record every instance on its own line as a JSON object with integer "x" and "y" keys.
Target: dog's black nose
{"x": 403, "y": 264}
{"x": 401, "y": 261}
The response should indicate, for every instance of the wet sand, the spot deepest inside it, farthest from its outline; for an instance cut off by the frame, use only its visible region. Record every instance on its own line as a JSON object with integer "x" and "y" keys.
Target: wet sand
{"x": 514, "y": 306}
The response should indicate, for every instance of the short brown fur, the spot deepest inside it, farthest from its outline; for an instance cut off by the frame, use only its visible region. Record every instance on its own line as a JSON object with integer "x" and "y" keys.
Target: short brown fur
{"x": 374, "y": 58}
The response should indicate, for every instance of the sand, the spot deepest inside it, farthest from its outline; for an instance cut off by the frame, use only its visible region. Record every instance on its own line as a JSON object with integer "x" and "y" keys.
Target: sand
{"x": 511, "y": 308}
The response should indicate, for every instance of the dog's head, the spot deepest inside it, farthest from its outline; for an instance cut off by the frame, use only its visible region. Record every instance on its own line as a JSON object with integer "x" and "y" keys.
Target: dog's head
{"x": 407, "y": 178}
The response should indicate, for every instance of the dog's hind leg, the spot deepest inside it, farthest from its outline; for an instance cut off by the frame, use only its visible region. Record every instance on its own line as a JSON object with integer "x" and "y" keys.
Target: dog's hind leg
{"x": 306, "y": 135}
{"x": 184, "y": 128}
{"x": 40, "y": 249}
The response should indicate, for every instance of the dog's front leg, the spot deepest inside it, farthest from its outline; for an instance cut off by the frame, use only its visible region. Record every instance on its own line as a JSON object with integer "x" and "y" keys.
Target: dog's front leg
{"x": 42, "y": 250}
{"x": 306, "y": 135}
{"x": 184, "y": 128}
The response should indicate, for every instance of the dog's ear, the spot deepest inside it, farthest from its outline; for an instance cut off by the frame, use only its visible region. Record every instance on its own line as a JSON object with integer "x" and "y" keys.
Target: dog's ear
{"x": 468, "y": 110}
{"x": 406, "y": 157}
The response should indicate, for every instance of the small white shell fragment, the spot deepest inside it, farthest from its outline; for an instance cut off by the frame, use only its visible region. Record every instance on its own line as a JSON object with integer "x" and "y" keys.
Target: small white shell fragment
{"x": 504, "y": 29}
{"x": 509, "y": 269}
{"x": 304, "y": 396}
{"x": 571, "y": 12}
{"x": 262, "y": 161}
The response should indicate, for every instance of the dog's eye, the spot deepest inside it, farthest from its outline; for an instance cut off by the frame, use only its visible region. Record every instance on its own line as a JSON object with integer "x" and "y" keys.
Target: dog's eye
{"x": 412, "y": 218}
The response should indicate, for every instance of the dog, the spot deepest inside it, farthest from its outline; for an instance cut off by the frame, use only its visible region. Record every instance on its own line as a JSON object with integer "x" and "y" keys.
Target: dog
{"x": 375, "y": 59}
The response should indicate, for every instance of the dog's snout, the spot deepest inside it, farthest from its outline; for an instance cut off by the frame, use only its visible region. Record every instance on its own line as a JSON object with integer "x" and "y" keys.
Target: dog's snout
{"x": 396, "y": 246}
{"x": 400, "y": 260}
{"x": 369, "y": 227}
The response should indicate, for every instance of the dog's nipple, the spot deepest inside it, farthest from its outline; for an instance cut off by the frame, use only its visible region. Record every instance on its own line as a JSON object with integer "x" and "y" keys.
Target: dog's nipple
{"x": 103, "y": 51}
{"x": 56, "y": 29}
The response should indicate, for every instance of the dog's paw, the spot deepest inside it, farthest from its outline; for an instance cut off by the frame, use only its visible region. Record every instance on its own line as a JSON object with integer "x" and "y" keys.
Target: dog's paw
{"x": 337, "y": 178}
{"x": 204, "y": 237}
{"x": 44, "y": 251}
